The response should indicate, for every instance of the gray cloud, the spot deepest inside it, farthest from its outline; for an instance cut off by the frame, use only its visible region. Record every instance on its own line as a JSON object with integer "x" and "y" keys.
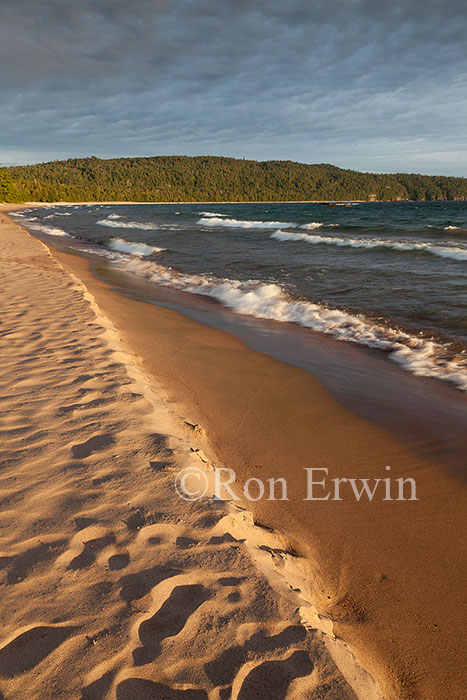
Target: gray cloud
{"x": 377, "y": 86}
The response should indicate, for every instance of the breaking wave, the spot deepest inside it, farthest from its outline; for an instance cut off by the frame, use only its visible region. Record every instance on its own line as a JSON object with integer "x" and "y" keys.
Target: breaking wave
{"x": 141, "y": 225}
{"x": 452, "y": 252}
{"x": 112, "y": 223}
{"x": 132, "y": 247}
{"x": 50, "y": 230}
{"x": 219, "y": 220}
{"x": 315, "y": 224}
{"x": 421, "y": 356}
{"x": 214, "y": 219}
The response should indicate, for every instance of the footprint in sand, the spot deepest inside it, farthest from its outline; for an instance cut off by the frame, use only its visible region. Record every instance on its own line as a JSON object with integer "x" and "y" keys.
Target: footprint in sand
{"x": 231, "y": 580}
{"x": 94, "y": 444}
{"x": 138, "y": 519}
{"x": 169, "y": 620}
{"x": 35, "y": 552}
{"x": 277, "y": 675}
{"x": 136, "y": 586}
{"x": 119, "y": 561}
{"x": 81, "y": 522}
{"x": 222, "y": 669}
{"x": 85, "y": 545}
{"x": 141, "y": 689}
{"x": 98, "y": 688}
{"x": 30, "y": 647}
{"x": 90, "y": 549}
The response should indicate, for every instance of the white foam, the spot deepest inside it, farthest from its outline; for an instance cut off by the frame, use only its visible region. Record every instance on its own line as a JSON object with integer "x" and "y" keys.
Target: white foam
{"x": 111, "y": 223}
{"x": 312, "y": 225}
{"x": 50, "y": 230}
{"x": 114, "y": 216}
{"x": 209, "y": 214}
{"x": 216, "y": 220}
{"x": 315, "y": 224}
{"x": 132, "y": 247}
{"x": 455, "y": 253}
{"x": 57, "y": 213}
{"x": 452, "y": 228}
{"x": 421, "y": 356}
{"x": 22, "y": 216}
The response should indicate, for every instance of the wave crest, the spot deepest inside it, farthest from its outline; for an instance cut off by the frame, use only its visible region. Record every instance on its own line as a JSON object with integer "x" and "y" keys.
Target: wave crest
{"x": 133, "y": 247}
{"x": 142, "y": 226}
{"x": 455, "y": 253}
{"x": 216, "y": 220}
{"x": 111, "y": 223}
{"x": 50, "y": 230}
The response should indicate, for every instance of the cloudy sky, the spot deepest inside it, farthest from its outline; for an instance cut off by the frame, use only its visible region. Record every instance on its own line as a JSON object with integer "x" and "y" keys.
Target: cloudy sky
{"x": 377, "y": 85}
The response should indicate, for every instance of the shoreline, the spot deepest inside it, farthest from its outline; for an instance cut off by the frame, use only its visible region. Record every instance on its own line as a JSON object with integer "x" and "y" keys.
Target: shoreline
{"x": 88, "y": 537}
{"x": 217, "y": 382}
{"x": 199, "y": 367}
{"x": 8, "y": 206}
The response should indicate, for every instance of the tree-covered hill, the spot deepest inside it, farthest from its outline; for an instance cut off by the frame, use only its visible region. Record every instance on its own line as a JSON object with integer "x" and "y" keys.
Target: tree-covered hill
{"x": 212, "y": 178}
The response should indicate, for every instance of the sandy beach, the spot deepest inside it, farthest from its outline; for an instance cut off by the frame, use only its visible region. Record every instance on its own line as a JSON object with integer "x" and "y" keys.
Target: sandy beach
{"x": 115, "y": 587}
{"x": 233, "y": 350}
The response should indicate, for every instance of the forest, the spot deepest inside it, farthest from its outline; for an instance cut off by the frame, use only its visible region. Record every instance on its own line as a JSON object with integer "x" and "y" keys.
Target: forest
{"x": 213, "y": 178}
{"x": 8, "y": 192}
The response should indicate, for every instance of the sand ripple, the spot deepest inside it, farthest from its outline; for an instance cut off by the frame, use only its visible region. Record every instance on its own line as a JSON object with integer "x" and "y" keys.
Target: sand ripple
{"x": 112, "y": 587}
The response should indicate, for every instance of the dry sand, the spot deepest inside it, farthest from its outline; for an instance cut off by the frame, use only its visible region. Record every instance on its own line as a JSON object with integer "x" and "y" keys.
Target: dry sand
{"x": 111, "y": 585}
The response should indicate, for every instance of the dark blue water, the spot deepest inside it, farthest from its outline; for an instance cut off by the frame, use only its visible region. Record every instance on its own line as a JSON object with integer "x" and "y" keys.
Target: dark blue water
{"x": 391, "y": 276}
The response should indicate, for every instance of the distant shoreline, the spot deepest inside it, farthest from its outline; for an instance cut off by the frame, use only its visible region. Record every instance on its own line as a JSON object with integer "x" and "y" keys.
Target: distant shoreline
{"x": 207, "y": 179}
{"x": 246, "y": 201}
{"x": 6, "y": 206}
